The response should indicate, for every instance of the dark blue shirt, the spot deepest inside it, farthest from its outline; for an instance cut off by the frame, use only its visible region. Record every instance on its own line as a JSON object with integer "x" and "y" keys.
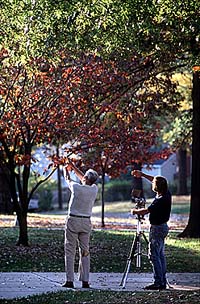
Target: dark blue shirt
{"x": 160, "y": 209}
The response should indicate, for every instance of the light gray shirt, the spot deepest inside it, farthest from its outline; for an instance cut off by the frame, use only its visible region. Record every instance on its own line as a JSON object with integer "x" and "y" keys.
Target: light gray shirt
{"x": 82, "y": 198}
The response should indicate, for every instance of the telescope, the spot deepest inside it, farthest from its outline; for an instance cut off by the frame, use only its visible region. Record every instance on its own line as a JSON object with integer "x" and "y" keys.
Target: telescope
{"x": 139, "y": 201}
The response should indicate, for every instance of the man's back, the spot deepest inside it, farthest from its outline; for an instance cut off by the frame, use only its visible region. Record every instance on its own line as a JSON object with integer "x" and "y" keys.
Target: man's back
{"x": 82, "y": 198}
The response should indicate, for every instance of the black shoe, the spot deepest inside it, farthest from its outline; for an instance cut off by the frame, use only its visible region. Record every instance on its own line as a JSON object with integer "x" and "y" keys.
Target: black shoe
{"x": 85, "y": 285}
{"x": 153, "y": 287}
{"x": 68, "y": 284}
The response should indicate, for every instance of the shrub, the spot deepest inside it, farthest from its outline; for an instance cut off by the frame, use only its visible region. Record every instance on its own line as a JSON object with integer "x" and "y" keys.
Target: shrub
{"x": 118, "y": 190}
{"x": 45, "y": 195}
{"x": 45, "y": 200}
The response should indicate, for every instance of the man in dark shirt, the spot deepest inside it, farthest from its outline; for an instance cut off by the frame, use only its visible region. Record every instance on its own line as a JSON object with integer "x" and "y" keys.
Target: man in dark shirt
{"x": 159, "y": 213}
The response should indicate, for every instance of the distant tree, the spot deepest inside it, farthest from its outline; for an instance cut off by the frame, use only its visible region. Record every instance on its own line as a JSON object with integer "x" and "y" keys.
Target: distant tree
{"x": 182, "y": 188}
{"x": 178, "y": 132}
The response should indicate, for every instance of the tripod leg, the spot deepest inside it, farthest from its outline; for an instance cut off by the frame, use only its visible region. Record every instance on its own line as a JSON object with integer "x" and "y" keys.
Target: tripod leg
{"x": 139, "y": 253}
{"x": 146, "y": 240}
{"x": 129, "y": 260}
{"x": 125, "y": 275}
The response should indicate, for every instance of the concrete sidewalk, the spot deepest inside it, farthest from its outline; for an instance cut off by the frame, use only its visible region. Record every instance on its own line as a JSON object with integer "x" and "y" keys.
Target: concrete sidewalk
{"x": 23, "y": 284}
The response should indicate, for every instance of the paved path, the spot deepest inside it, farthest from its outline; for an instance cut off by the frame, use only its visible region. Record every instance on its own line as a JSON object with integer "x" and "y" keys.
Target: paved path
{"x": 14, "y": 284}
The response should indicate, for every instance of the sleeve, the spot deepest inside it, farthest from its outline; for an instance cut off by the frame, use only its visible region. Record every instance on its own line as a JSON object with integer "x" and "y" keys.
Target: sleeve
{"x": 70, "y": 184}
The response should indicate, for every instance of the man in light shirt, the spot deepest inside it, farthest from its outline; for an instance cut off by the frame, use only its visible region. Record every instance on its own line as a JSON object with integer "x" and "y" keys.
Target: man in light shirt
{"x": 78, "y": 223}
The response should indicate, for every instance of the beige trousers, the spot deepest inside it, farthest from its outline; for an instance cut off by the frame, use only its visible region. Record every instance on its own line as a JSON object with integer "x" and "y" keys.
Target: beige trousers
{"x": 77, "y": 230}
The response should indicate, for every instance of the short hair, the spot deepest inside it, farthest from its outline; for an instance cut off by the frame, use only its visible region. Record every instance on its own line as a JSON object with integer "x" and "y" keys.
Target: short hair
{"x": 92, "y": 175}
{"x": 161, "y": 184}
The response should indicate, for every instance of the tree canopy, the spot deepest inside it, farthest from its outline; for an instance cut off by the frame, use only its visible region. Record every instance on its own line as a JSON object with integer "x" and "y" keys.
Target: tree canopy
{"x": 68, "y": 66}
{"x": 88, "y": 101}
{"x": 166, "y": 30}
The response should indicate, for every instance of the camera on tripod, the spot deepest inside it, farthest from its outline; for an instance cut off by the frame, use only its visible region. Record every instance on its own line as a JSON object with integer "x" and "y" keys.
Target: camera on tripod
{"x": 138, "y": 200}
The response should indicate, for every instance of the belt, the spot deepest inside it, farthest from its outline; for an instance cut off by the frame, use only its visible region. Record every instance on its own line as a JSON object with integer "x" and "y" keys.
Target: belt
{"x": 80, "y": 216}
{"x": 158, "y": 224}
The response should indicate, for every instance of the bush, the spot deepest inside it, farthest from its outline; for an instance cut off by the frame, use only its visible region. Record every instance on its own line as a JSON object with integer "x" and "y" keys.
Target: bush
{"x": 45, "y": 200}
{"x": 45, "y": 195}
{"x": 118, "y": 190}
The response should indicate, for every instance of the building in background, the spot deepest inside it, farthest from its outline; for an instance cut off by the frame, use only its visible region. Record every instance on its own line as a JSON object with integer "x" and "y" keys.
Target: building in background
{"x": 164, "y": 167}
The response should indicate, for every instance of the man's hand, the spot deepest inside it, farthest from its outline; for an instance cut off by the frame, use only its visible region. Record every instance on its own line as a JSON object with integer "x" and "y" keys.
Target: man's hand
{"x": 141, "y": 211}
{"x": 67, "y": 176}
{"x": 133, "y": 211}
{"x": 69, "y": 165}
{"x": 136, "y": 173}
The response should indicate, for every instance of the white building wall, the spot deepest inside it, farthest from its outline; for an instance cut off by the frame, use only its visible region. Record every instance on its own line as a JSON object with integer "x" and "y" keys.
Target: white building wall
{"x": 169, "y": 167}
{"x": 166, "y": 169}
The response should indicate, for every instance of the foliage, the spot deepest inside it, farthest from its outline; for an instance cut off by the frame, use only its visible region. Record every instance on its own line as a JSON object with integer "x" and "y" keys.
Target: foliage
{"x": 85, "y": 101}
{"x": 55, "y": 98}
{"x": 166, "y": 30}
{"x": 31, "y": 102}
{"x": 179, "y": 131}
{"x": 49, "y": 102}
{"x": 45, "y": 200}
{"x": 128, "y": 112}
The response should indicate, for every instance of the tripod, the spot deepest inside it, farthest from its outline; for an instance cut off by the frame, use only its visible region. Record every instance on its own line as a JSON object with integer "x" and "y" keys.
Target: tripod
{"x": 135, "y": 252}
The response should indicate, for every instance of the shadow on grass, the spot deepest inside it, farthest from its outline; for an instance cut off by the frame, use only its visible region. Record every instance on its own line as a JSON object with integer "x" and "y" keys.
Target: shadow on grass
{"x": 109, "y": 252}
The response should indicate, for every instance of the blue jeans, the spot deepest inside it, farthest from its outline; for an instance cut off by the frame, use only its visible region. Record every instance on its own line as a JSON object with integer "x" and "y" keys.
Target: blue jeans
{"x": 157, "y": 237}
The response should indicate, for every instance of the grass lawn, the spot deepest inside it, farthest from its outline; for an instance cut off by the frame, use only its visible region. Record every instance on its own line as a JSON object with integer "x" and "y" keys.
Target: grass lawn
{"x": 180, "y": 205}
{"x": 110, "y": 297}
{"x": 109, "y": 251}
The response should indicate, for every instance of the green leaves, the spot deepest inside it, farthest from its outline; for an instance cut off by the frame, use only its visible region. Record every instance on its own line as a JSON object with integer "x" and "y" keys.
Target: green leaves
{"x": 166, "y": 28}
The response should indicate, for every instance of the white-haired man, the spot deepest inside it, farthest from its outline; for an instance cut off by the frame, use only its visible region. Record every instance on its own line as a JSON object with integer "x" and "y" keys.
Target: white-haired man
{"x": 78, "y": 223}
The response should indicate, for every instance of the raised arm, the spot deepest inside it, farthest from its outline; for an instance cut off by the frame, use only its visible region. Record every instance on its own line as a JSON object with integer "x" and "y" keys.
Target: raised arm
{"x": 66, "y": 174}
{"x": 138, "y": 174}
{"x": 71, "y": 166}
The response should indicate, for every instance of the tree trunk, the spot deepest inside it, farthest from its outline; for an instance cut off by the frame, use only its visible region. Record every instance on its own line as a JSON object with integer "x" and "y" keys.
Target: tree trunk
{"x": 21, "y": 209}
{"x": 23, "y": 229}
{"x": 182, "y": 173}
{"x": 6, "y": 204}
{"x": 193, "y": 227}
{"x": 60, "y": 200}
{"x": 102, "y": 200}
